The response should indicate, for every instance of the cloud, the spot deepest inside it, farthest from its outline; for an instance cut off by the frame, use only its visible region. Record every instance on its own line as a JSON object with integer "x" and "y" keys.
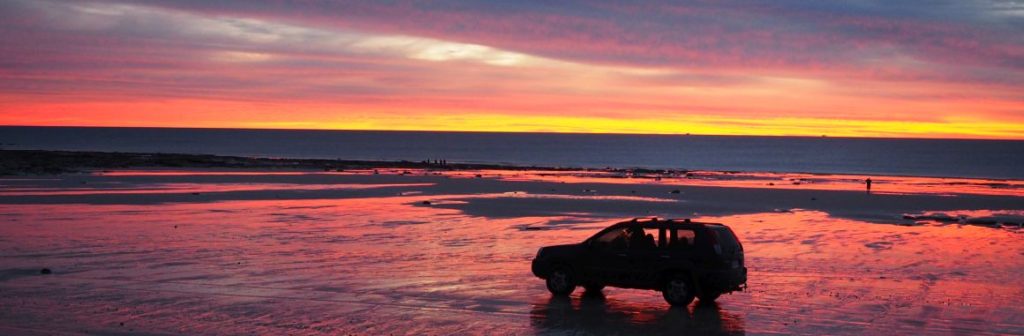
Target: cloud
{"x": 864, "y": 60}
{"x": 700, "y": 33}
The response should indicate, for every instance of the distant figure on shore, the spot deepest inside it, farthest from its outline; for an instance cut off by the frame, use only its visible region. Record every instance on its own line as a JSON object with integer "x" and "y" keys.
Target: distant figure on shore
{"x": 868, "y": 183}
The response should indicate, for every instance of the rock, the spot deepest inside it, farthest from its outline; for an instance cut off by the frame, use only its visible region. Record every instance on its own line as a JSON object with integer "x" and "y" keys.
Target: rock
{"x": 981, "y": 221}
{"x": 45, "y": 271}
{"x": 425, "y": 203}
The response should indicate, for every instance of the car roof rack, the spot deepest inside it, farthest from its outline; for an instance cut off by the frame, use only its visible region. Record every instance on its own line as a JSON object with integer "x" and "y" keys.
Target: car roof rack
{"x": 652, "y": 219}
{"x": 657, "y": 219}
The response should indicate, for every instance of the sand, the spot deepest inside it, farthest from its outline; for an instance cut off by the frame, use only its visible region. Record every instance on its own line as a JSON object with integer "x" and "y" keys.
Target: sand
{"x": 216, "y": 251}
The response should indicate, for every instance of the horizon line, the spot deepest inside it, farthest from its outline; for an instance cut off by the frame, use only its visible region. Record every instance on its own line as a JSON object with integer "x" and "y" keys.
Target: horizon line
{"x": 823, "y": 136}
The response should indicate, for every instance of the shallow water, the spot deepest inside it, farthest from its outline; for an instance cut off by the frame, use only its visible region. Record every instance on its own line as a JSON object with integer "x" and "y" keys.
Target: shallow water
{"x": 368, "y": 264}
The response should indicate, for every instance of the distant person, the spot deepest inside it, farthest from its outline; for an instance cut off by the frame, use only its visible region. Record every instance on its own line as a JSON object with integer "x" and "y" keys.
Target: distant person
{"x": 868, "y": 184}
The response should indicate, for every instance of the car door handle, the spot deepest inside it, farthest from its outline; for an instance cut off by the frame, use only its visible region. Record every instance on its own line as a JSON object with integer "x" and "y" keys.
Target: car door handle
{"x": 621, "y": 254}
{"x": 665, "y": 256}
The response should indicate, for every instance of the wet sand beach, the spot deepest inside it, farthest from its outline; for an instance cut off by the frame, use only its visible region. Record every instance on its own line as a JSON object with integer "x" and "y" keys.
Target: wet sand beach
{"x": 412, "y": 251}
{"x": 326, "y": 167}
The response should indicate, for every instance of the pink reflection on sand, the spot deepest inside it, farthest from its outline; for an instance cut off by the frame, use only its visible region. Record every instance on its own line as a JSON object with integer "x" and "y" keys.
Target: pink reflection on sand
{"x": 163, "y": 188}
{"x": 351, "y": 266}
{"x": 842, "y": 276}
{"x": 523, "y": 194}
{"x": 212, "y": 172}
{"x": 801, "y": 181}
{"x": 880, "y": 184}
{"x": 785, "y": 238}
{"x": 1007, "y": 219}
{"x": 258, "y": 172}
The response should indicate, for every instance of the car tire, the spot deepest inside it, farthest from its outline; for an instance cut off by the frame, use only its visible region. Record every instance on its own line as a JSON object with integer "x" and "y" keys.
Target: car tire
{"x": 593, "y": 288}
{"x": 709, "y": 297}
{"x": 678, "y": 290}
{"x": 560, "y": 281}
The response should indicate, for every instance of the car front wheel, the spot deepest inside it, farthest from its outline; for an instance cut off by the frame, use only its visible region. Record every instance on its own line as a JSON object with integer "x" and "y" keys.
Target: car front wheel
{"x": 560, "y": 282}
{"x": 709, "y": 297}
{"x": 678, "y": 291}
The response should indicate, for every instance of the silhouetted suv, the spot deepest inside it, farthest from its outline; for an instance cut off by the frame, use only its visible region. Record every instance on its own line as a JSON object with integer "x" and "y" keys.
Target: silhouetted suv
{"x": 680, "y": 258}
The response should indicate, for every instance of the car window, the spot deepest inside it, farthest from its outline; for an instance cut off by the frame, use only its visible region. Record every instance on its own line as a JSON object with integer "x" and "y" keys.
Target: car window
{"x": 629, "y": 237}
{"x": 641, "y": 238}
{"x": 725, "y": 237}
{"x": 681, "y": 238}
{"x": 616, "y": 239}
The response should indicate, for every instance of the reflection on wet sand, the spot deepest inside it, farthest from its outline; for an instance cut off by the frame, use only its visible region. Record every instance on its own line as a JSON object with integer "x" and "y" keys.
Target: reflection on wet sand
{"x": 901, "y": 185}
{"x": 440, "y": 255}
{"x": 594, "y": 313}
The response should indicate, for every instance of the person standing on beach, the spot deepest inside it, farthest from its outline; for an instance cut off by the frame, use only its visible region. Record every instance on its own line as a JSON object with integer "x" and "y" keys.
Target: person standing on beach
{"x": 868, "y": 183}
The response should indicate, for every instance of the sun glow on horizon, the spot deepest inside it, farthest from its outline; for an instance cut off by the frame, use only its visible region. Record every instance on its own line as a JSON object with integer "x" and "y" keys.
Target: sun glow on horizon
{"x": 482, "y": 122}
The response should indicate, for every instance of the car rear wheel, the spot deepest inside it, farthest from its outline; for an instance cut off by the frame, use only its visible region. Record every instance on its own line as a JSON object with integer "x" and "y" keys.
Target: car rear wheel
{"x": 560, "y": 282}
{"x": 678, "y": 290}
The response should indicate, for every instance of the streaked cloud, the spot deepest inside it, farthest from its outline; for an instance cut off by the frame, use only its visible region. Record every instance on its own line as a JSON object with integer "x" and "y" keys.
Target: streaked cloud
{"x": 696, "y": 67}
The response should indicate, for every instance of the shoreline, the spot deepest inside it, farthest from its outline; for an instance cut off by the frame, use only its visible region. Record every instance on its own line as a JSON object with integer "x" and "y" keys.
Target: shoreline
{"x": 27, "y": 162}
{"x": 495, "y": 193}
{"x": 43, "y": 162}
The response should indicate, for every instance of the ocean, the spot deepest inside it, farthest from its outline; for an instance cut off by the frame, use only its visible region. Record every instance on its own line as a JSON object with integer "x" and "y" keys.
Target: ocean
{"x": 996, "y": 159}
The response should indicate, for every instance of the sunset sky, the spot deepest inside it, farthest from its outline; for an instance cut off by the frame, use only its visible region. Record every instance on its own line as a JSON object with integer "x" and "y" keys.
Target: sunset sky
{"x": 843, "y": 68}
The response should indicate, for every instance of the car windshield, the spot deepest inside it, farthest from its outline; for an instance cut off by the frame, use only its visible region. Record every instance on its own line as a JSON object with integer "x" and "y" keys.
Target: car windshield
{"x": 617, "y": 238}
{"x": 631, "y": 237}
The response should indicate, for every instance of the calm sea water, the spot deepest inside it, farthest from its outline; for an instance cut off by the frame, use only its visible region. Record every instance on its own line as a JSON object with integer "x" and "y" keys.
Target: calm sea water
{"x": 914, "y": 157}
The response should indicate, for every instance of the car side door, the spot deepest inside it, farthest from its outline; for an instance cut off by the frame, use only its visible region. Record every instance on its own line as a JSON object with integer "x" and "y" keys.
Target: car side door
{"x": 644, "y": 257}
{"x": 607, "y": 261}
{"x": 679, "y": 250}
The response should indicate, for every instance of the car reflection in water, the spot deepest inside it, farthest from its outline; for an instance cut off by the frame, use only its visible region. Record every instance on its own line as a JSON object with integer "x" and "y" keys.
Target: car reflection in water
{"x": 593, "y": 313}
